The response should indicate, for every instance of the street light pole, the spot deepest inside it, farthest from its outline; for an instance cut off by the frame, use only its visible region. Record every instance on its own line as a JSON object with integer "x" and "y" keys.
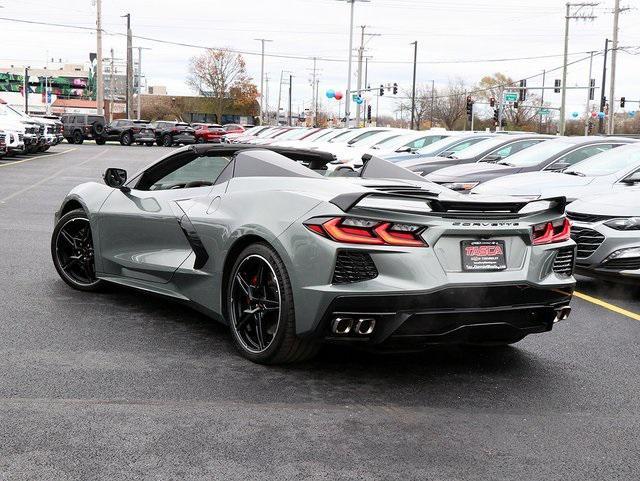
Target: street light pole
{"x": 586, "y": 111}
{"x": 129, "y": 83}
{"x": 140, "y": 49}
{"x": 604, "y": 84}
{"x": 99, "y": 77}
{"x": 614, "y": 55}
{"x": 347, "y": 101}
{"x": 262, "y": 41}
{"x": 413, "y": 88}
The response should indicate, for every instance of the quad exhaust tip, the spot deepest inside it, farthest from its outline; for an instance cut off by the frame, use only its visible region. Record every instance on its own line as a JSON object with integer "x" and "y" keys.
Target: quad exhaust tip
{"x": 344, "y": 326}
{"x": 562, "y": 313}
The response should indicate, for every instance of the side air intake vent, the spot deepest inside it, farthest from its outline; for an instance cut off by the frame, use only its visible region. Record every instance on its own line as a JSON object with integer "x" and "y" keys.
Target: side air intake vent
{"x": 353, "y": 266}
{"x": 564, "y": 261}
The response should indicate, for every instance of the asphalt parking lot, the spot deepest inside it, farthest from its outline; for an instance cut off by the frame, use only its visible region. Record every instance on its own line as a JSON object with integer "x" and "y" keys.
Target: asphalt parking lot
{"x": 122, "y": 385}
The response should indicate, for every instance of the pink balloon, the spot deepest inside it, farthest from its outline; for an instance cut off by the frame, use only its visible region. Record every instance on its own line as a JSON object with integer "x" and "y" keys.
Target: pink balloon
{"x": 338, "y": 95}
{"x": 594, "y": 114}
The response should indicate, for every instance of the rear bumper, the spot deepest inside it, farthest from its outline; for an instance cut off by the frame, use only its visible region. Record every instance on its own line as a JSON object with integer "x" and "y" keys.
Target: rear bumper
{"x": 184, "y": 139}
{"x": 500, "y": 313}
{"x": 144, "y": 137}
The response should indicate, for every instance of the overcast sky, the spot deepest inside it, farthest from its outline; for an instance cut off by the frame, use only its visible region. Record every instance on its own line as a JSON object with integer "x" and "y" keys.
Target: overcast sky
{"x": 468, "y": 34}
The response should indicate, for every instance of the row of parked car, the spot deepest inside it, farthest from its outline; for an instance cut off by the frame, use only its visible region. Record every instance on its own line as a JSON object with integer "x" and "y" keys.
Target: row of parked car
{"x": 599, "y": 176}
{"x": 81, "y": 127}
{"x": 27, "y": 134}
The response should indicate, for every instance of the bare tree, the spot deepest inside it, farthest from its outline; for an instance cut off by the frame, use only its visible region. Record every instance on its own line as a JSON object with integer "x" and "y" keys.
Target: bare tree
{"x": 526, "y": 115}
{"x": 423, "y": 105}
{"x": 451, "y": 104}
{"x": 221, "y": 75}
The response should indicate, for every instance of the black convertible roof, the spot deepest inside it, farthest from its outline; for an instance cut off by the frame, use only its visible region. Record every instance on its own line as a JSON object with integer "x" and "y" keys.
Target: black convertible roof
{"x": 313, "y": 159}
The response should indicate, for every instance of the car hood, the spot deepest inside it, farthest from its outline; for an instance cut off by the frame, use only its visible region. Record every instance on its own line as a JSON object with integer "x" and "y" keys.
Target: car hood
{"x": 624, "y": 204}
{"x": 471, "y": 172}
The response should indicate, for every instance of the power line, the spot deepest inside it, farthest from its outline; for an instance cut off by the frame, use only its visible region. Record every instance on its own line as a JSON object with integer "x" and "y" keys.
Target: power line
{"x": 297, "y": 57}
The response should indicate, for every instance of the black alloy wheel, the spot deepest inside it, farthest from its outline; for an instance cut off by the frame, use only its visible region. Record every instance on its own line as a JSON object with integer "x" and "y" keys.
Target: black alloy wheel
{"x": 149, "y": 144}
{"x": 260, "y": 309}
{"x": 78, "y": 138}
{"x": 101, "y": 140}
{"x": 72, "y": 251}
{"x": 126, "y": 139}
{"x": 167, "y": 140}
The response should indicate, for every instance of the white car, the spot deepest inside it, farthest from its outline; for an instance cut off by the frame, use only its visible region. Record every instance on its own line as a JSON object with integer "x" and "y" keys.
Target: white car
{"x": 611, "y": 171}
{"x": 319, "y": 135}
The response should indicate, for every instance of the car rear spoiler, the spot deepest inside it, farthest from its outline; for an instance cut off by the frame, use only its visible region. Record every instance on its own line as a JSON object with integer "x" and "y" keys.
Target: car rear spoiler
{"x": 416, "y": 200}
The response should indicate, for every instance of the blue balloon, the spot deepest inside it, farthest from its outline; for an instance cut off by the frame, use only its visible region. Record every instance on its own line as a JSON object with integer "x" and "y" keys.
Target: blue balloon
{"x": 601, "y": 115}
{"x": 330, "y": 93}
{"x": 575, "y": 115}
{"x": 632, "y": 113}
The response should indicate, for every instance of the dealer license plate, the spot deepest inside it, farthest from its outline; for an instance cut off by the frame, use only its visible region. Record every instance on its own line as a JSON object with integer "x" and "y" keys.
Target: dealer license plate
{"x": 482, "y": 256}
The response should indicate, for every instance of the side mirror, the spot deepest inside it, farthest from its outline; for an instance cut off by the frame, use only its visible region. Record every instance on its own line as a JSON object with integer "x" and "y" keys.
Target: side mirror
{"x": 403, "y": 149}
{"x": 116, "y": 178}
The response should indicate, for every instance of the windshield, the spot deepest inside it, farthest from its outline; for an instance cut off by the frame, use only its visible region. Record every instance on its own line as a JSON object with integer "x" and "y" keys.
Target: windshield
{"x": 322, "y": 134}
{"x": 450, "y": 143}
{"x": 386, "y": 142}
{"x": 341, "y": 137}
{"x": 608, "y": 162}
{"x": 538, "y": 153}
{"x": 358, "y": 139}
{"x": 480, "y": 147}
{"x": 295, "y": 134}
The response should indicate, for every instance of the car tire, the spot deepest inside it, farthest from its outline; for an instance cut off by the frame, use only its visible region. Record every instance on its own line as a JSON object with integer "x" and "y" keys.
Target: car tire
{"x": 78, "y": 138}
{"x": 126, "y": 139}
{"x": 167, "y": 141}
{"x": 149, "y": 144}
{"x": 284, "y": 346}
{"x": 101, "y": 141}
{"x": 72, "y": 235}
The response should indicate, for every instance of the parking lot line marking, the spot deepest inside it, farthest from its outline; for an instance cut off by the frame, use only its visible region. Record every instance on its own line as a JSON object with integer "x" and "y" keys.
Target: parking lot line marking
{"x": 37, "y": 157}
{"x": 46, "y": 179}
{"x": 606, "y": 305}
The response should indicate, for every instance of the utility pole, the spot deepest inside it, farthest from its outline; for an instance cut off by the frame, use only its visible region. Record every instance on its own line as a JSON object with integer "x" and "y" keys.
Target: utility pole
{"x": 413, "y": 88}
{"x": 614, "y": 55}
{"x": 433, "y": 103}
{"x": 315, "y": 109}
{"x": 360, "y": 53}
{"x": 279, "y": 97}
{"x": 544, "y": 75}
{"x": 586, "y": 110}
{"x": 568, "y": 17}
{"x": 140, "y": 49}
{"x": 266, "y": 98}
{"x": 314, "y": 90}
{"x": 26, "y": 90}
{"x": 347, "y": 101}
{"x": 604, "y": 85}
{"x": 112, "y": 88}
{"x": 99, "y": 77}
{"x": 290, "y": 98}
{"x": 129, "y": 84}
{"x": 262, "y": 41}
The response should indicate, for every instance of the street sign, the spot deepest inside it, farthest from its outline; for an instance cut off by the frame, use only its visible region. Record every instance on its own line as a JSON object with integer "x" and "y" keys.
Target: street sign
{"x": 510, "y": 96}
{"x": 544, "y": 112}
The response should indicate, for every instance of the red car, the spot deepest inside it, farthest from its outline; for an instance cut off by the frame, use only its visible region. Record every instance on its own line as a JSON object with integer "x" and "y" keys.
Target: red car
{"x": 208, "y": 133}
{"x": 233, "y": 128}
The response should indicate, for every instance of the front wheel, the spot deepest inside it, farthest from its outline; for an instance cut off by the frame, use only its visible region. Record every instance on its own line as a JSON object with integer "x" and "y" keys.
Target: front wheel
{"x": 167, "y": 141}
{"x": 260, "y": 309}
{"x": 78, "y": 138}
{"x": 101, "y": 140}
{"x": 72, "y": 251}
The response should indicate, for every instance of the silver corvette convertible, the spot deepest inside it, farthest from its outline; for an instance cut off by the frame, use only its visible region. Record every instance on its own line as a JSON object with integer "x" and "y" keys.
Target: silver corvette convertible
{"x": 289, "y": 258}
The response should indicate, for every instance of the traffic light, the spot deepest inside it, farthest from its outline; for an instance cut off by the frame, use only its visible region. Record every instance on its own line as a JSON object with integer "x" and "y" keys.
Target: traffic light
{"x": 622, "y": 102}
{"x": 592, "y": 88}
{"x": 469, "y": 107}
{"x": 496, "y": 115}
{"x": 395, "y": 88}
{"x": 381, "y": 90}
{"x": 492, "y": 101}
{"x": 515, "y": 104}
{"x": 522, "y": 95}
{"x": 557, "y": 83}
{"x": 368, "y": 113}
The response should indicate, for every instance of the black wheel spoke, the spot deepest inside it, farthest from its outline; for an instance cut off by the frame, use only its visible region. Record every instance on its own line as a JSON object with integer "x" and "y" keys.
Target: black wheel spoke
{"x": 255, "y": 306}
{"x": 66, "y": 236}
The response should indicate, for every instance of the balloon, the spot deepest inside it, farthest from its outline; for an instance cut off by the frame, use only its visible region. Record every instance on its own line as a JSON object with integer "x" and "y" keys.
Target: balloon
{"x": 575, "y": 115}
{"x": 594, "y": 114}
{"x": 601, "y": 115}
{"x": 632, "y": 113}
{"x": 330, "y": 94}
{"x": 338, "y": 95}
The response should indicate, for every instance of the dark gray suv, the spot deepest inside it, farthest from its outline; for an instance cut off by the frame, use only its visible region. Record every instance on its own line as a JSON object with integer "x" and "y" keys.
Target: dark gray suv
{"x": 81, "y": 127}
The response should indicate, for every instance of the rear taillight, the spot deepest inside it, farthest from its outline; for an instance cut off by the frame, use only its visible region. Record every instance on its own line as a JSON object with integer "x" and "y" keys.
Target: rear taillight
{"x": 551, "y": 232}
{"x": 365, "y": 231}
{"x": 174, "y": 130}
